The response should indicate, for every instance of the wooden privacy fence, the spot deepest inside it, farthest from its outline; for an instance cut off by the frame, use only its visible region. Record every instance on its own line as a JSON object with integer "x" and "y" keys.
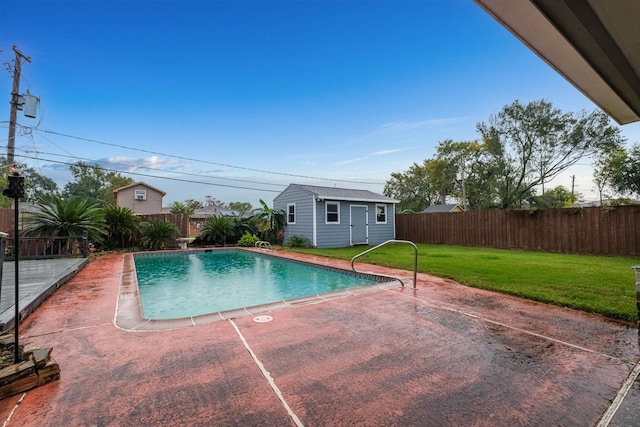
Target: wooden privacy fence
{"x": 180, "y": 220}
{"x": 592, "y": 230}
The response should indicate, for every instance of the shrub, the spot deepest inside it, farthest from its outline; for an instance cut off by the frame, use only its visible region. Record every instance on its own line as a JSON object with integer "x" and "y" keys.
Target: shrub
{"x": 158, "y": 234}
{"x": 248, "y": 240}
{"x": 298, "y": 242}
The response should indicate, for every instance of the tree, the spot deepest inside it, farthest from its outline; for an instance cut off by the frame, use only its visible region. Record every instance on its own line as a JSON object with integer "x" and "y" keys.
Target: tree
{"x": 158, "y": 234}
{"x": 122, "y": 224}
{"x": 557, "y": 197}
{"x": 436, "y": 179}
{"x": 269, "y": 221}
{"x": 412, "y": 188}
{"x": 456, "y": 167}
{"x": 211, "y": 201}
{"x": 242, "y": 224}
{"x": 95, "y": 183}
{"x": 56, "y": 216}
{"x": 36, "y": 186}
{"x": 242, "y": 208}
{"x": 619, "y": 170}
{"x": 528, "y": 145}
{"x": 187, "y": 207}
{"x": 216, "y": 229}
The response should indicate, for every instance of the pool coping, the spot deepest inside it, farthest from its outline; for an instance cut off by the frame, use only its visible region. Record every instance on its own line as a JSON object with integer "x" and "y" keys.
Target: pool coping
{"x": 129, "y": 315}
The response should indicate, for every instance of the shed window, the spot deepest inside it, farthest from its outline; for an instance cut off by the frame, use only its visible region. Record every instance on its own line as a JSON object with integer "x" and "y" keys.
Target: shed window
{"x": 333, "y": 212}
{"x": 381, "y": 214}
{"x": 291, "y": 214}
{"x": 141, "y": 195}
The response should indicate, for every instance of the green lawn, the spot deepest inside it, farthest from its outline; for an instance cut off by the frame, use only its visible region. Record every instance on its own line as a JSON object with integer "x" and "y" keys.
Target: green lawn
{"x": 604, "y": 285}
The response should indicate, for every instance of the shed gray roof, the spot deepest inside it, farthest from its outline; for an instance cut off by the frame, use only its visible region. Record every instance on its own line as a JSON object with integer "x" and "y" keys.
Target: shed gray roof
{"x": 334, "y": 193}
{"x": 440, "y": 208}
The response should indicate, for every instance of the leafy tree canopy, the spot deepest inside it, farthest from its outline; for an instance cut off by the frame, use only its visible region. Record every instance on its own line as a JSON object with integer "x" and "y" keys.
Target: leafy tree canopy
{"x": 94, "y": 183}
{"x": 212, "y": 201}
{"x": 528, "y": 145}
{"x": 413, "y": 188}
{"x": 522, "y": 148}
{"x": 241, "y": 207}
{"x": 37, "y": 186}
{"x": 619, "y": 170}
{"x": 187, "y": 207}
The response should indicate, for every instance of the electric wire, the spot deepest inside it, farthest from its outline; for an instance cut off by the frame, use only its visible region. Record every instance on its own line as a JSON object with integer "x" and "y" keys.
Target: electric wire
{"x": 155, "y": 176}
{"x": 115, "y": 164}
{"x": 201, "y": 161}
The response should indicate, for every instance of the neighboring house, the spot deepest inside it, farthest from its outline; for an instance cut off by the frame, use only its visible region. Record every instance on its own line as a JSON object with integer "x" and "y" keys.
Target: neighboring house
{"x": 451, "y": 207}
{"x": 336, "y": 217}
{"x": 200, "y": 216}
{"x": 141, "y": 198}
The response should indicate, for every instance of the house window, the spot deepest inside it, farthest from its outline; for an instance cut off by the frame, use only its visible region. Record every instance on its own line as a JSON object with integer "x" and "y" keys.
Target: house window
{"x": 141, "y": 195}
{"x": 291, "y": 214}
{"x": 381, "y": 214}
{"x": 333, "y": 212}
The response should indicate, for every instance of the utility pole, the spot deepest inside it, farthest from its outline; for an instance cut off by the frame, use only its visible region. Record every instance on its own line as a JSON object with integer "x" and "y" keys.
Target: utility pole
{"x": 15, "y": 102}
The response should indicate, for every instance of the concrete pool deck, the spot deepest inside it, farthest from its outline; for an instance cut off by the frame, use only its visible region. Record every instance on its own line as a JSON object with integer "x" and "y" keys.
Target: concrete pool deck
{"x": 443, "y": 354}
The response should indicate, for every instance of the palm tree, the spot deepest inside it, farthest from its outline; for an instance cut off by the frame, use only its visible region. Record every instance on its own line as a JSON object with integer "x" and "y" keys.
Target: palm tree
{"x": 122, "y": 224}
{"x": 58, "y": 217}
{"x": 158, "y": 234}
{"x": 269, "y": 221}
{"x": 242, "y": 224}
{"x": 216, "y": 229}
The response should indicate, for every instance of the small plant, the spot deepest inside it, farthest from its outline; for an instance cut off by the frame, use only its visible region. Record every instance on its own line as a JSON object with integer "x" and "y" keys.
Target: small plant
{"x": 298, "y": 242}
{"x": 248, "y": 240}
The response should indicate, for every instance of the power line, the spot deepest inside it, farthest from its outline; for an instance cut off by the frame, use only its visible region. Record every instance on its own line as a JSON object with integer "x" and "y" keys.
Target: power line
{"x": 202, "y": 161}
{"x": 156, "y": 176}
{"x": 37, "y": 152}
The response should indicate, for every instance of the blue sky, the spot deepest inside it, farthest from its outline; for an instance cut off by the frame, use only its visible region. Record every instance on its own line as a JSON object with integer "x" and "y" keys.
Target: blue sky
{"x": 237, "y": 99}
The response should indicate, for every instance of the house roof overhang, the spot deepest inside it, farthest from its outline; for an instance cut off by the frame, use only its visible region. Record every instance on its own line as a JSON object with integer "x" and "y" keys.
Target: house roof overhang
{"x": 594, "y": 44}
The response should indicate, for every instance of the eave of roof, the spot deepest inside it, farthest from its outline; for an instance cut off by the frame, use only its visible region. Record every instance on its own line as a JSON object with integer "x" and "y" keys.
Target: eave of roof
{"x": 594, "y": 44}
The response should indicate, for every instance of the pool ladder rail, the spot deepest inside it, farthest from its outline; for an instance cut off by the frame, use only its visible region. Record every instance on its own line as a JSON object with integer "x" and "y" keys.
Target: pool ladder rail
{"x": 415, "y": 260}
{"x": 263, "y": 245}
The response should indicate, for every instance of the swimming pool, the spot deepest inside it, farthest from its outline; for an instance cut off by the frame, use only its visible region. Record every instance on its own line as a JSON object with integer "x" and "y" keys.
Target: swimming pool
{"x": 195, "y": 283}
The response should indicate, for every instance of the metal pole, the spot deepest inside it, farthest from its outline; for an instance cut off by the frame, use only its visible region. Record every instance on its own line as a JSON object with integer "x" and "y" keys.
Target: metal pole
{"x": 3, "y": 243}
{"x": 16, "y": 253}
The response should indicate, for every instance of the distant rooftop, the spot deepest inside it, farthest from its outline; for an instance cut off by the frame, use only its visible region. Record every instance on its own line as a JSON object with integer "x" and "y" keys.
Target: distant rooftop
{"x": 449, "y": 207}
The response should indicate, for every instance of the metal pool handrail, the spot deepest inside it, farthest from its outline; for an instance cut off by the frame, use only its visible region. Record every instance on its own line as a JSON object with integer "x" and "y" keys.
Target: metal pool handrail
{"x": 263, "y": 245}
{"x": 415, "y": 260}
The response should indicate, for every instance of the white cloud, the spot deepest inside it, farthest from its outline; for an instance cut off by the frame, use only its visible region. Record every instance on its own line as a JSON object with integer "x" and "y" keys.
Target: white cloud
{"x": 390, "y": 151}
{"x": 350, "y": 161}
{"x": 398, "y": 128}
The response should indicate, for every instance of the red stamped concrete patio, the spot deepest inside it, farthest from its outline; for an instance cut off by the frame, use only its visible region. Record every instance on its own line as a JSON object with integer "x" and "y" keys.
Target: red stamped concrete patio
{"x": 443, "y": 354}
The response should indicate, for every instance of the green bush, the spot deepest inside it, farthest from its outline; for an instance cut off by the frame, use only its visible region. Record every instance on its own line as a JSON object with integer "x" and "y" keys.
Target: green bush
{"x": 158, "y": 234}
{"x": 298, "y": 242}
{"x": 248, "y": 240}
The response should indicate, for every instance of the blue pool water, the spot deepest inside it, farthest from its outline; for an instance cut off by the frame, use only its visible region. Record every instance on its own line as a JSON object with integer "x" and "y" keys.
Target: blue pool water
{"x": 185, "y": 284}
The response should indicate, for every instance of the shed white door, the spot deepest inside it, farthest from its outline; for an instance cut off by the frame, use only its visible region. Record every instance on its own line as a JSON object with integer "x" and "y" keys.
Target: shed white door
{"x": 359, "y": 225}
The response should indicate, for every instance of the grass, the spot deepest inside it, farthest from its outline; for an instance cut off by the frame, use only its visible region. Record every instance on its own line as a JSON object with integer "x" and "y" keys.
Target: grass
{"x": 598, "y": 284}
